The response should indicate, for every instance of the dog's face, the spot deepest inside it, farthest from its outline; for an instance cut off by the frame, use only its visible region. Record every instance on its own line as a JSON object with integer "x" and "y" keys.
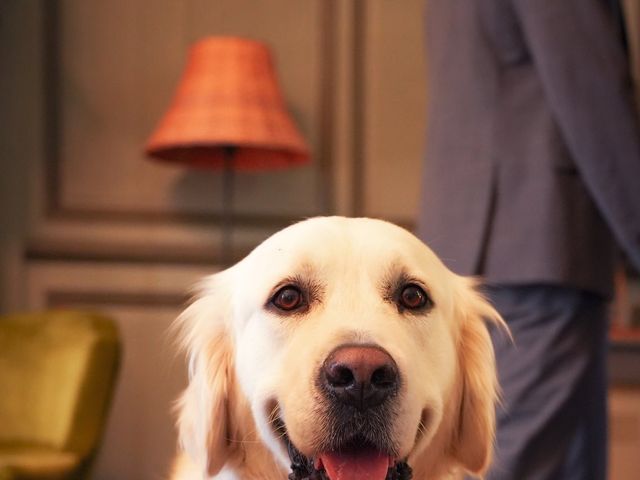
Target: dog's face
{"x": 347, "y": 342}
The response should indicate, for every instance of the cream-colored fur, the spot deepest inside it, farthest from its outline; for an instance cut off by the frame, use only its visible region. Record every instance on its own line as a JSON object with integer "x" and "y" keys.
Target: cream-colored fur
{"x": 249, "y": 364}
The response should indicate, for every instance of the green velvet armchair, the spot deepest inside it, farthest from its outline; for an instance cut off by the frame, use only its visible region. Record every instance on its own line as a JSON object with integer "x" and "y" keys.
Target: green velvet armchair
{"x": 57, "y": 375}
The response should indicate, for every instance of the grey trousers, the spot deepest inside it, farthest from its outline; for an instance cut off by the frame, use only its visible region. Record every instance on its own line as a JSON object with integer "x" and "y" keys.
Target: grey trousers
{"x": 552, "y": 424}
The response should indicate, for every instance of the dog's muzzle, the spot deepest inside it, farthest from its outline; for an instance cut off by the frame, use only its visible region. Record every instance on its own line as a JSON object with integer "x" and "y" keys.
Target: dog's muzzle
{"x": 359, "y": 384}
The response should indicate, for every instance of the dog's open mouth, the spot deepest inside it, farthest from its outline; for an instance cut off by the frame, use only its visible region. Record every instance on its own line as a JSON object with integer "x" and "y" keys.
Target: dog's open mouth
{"x": 356, "y": 461}
{"x": 361, "y": 462}
{"x": 352, "y": 455}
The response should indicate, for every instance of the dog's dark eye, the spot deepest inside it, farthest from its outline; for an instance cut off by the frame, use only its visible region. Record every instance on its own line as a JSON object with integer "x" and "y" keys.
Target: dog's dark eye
{"x": 288, "y": 298}
{"x": 413, "y": 297}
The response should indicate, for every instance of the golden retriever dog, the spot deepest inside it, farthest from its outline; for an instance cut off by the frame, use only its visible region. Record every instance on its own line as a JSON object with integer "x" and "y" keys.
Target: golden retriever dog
{"x": 341, "y": 349}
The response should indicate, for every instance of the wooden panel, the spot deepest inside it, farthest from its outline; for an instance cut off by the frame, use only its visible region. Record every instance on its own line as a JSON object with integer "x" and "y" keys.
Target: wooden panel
{"x": 394, "y": 108}
{"x": 624, "y": 433}
{"x": 110, "y": 71}
{"x": 118, "y": 65}
{"x": 140, "y": 438}
{"x": 632, "y": 13}
{"x": 20, "y": 117}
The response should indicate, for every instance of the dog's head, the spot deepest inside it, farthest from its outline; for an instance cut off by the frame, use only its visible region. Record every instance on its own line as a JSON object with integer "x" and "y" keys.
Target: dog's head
{"x": 348, "y": 342}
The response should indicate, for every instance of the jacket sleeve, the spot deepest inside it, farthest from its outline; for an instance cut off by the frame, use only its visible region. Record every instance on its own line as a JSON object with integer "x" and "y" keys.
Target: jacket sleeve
{"x": 583, "y": 70}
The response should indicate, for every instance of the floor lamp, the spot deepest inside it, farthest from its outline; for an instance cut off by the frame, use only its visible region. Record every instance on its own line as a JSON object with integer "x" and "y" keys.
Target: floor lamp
{"x": 228, "y": 114}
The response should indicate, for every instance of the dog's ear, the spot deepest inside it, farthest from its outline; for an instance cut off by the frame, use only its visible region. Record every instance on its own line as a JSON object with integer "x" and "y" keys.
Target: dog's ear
{"x": 473, "y": 440}
{"x": 204, "y": 427}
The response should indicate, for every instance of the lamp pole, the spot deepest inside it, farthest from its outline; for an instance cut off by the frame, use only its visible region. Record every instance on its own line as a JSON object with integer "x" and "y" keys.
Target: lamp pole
{"x": 229, "y": 153}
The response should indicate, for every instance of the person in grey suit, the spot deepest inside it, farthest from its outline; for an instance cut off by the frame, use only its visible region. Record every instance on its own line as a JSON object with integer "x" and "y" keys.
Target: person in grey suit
{"x": 531, "y": 180}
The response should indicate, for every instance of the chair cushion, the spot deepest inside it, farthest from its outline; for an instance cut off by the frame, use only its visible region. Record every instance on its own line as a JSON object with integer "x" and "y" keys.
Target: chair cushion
{"x": 29, "y": 462}
{"x": 56, "y": 375}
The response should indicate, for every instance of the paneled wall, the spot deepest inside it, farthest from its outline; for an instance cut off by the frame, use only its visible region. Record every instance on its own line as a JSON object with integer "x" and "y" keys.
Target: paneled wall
{"x": 111, "y": 69}
{"x": 352, "y": 76}
{"x": 144, "y": 299}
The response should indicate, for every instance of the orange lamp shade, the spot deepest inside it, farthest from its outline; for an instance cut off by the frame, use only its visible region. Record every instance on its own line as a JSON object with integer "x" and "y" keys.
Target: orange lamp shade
{"x": 228, "y": 99}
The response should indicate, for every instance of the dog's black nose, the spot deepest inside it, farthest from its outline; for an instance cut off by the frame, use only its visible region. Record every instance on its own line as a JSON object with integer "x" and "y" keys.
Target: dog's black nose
{"x": 360, "y": 376}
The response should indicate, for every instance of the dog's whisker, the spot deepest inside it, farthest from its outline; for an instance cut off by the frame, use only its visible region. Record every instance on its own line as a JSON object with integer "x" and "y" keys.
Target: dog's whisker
{"x": 274, "y": 416}
{"x": 422, "y": 428}
{"x": 244, "y": 441}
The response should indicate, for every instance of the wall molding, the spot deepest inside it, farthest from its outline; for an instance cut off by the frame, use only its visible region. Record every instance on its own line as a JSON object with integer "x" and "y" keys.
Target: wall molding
{"x": 58, "y": 298}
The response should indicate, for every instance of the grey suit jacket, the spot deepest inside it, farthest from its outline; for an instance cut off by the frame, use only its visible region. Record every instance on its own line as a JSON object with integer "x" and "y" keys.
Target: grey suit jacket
{"x": 532, "y": 162}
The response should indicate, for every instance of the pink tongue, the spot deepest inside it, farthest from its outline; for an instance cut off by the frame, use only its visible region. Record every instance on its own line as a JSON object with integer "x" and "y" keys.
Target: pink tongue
{"x": 367, "y": 465}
